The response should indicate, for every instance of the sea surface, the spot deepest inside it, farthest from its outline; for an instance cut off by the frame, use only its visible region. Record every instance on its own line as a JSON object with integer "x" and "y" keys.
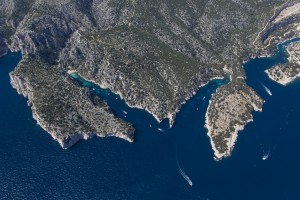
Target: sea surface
{"x": 158, "y": 165}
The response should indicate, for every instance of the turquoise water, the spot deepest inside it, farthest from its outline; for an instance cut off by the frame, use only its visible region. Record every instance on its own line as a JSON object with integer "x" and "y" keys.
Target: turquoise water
{"x": 33, "y": 166}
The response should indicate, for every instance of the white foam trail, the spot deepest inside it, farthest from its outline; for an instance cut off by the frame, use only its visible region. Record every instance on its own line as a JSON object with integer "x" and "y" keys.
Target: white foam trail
{"x": 266, "y": 89}
{"x": 161, "y": 130}
{"x": 266, "y": 155}
{"x": 181, "y": 171}
{"x": 184, "y": 175}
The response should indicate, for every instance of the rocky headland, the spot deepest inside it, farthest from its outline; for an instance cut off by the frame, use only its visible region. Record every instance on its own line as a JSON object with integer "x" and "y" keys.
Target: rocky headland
{"x": 65, "y": 110}
{"x": 288, "y": 72}
{"x": 228, "y": 112}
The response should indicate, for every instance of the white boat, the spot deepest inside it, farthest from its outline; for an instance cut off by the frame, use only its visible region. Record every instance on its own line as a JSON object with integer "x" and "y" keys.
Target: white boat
{"x": 161, "y": 130}
{"x": 266, "y": 155}
{"x": 266, "y": 89}
{"x": 185, "y": 176}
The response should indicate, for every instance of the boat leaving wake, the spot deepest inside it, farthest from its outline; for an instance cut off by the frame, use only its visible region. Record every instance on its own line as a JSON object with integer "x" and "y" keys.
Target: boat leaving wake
{"x": 184, "y": 175}
{"x": 181, "y": 171}
{"x": 266, "y": 155}
{"x": 266, "y": 89}
{"x": 161, "y": 130}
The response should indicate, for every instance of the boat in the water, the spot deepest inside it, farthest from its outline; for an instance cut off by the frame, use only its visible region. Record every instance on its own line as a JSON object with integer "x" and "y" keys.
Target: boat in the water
{"x": 266, "y": 155}
{"x": 161, "y": 130}
{"x": 266, "y": 89}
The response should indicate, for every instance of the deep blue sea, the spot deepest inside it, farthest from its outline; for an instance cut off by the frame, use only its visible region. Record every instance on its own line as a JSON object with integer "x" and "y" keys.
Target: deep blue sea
{"x": 33, "y": 166}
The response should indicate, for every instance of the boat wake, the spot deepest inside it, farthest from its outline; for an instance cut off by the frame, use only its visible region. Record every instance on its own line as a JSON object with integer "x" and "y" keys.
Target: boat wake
{"x": 184, "y": 175}
{"x": 266, "y": 155}
{"x": 161, "y": 130}
{"x": 181, "y": 171}
{"x": 266, "y": 89}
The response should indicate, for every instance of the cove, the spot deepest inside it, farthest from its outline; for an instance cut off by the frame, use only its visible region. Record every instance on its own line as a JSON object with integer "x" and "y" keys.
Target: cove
{"x": 140, "y": 118}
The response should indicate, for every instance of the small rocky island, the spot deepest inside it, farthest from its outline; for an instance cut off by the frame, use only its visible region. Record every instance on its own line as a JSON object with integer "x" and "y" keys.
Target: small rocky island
{"x": 154, "y": 54}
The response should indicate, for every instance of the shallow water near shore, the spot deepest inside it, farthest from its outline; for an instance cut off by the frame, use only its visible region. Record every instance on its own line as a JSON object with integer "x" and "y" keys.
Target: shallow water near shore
{"x": 33, "y": 166}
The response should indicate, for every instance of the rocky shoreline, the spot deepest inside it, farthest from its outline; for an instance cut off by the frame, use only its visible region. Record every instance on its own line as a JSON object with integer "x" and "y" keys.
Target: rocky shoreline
{"x": 227, "y": 114}
{"x": 170, "y": 116}
{"x": 284, "y": 74}
{"x": 288, "y": 72}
